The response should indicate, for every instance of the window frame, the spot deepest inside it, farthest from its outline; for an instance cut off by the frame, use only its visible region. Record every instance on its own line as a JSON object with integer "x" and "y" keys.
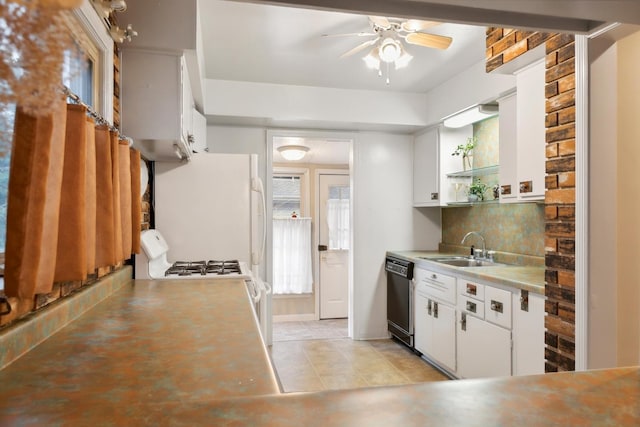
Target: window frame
{"x": 303, "y": 173}
{"x": 91, "y": 34}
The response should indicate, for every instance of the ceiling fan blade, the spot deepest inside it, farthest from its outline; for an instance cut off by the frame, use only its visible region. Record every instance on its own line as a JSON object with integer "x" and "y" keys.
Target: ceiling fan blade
{"x": 380, "y": 21}
{"x": 429, "y": 40}
{"x": 360, "y": 34}
{"x": 358, "y": 48}
{"x": 411, "y": 25}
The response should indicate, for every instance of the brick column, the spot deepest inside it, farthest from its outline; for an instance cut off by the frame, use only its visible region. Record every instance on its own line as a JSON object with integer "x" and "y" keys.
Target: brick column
{"x": 504, "y": 45}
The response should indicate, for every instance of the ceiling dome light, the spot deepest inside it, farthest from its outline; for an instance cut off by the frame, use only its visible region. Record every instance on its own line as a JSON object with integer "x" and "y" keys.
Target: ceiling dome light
{"x": 293, "y": 152}
{"x": 389, "y": 50}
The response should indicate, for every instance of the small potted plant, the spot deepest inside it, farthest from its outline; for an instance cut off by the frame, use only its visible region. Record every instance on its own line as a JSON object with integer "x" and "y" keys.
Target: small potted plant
{"x": 477, "y": 190}
{"x": 466, "y": 151}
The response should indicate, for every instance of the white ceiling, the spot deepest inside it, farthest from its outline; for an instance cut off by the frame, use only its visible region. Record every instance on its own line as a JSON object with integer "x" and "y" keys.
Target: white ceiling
{"x": 322, "y": 151}
{"x": 284, "y": 45}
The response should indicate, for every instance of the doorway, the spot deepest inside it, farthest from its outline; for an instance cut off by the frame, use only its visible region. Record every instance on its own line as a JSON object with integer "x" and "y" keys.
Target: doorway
{"x": 327, "y": 158}
{"x": 333, "y": 244}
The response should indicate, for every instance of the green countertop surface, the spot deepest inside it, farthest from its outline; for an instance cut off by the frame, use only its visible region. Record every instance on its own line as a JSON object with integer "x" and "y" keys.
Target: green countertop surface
{"x": 153, "y": 354}
{"x": 519, "y": 277}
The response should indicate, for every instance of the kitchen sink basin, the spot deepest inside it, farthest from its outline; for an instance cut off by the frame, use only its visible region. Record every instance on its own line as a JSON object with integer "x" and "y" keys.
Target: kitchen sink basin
{"x": 464, "y": 262}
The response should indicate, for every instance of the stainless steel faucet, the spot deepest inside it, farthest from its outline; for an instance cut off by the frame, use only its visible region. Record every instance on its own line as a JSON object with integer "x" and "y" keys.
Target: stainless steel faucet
{"x": 475, "y": 233}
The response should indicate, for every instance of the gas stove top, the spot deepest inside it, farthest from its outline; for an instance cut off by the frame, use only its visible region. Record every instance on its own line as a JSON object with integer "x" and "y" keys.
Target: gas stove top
{"x": 204, "y": 268}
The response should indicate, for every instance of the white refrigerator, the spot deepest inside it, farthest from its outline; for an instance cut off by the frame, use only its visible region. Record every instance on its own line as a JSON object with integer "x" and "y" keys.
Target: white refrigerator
{"x": 212, "y": 208}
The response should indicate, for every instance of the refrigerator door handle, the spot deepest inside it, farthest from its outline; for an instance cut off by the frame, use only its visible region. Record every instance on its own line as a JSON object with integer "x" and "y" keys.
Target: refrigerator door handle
{"x": 258, "y": 186}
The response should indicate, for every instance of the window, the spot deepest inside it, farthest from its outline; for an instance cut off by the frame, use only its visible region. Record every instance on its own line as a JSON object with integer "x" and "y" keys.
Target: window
{"x": 338, "y": 217}
{"x": 287, "y": 190}
{"x": 79, "y": 74}
{"x": 292, "y": 266}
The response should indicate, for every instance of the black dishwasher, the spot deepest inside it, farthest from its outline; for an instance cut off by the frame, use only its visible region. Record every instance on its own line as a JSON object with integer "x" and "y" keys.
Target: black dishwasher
{"x": 400, "y": 299}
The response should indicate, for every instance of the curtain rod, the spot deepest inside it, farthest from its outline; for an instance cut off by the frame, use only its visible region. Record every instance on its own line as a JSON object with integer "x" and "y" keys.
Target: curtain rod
{"x": 93, "y": 113}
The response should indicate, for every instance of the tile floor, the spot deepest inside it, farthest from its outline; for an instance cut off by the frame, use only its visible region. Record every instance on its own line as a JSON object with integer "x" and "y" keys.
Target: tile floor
{"x": 310, "y": 330}
{"x": 308, "y": 364}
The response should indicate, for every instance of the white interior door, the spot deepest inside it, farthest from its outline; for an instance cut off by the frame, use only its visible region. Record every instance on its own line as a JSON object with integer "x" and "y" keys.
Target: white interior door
{"x": 334, "y": 198}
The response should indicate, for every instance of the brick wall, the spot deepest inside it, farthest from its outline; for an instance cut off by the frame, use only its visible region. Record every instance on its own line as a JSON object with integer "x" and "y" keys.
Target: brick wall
{"x": 504, "y": 45}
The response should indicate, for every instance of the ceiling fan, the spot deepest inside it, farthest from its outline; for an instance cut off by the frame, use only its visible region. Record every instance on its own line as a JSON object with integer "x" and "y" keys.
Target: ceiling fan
{"x": 387, "y": 39}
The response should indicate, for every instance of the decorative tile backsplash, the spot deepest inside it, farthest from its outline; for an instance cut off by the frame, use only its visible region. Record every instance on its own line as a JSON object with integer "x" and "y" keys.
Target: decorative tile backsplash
{"x": 487, "y": 148}
{"x": 510, "y": 227}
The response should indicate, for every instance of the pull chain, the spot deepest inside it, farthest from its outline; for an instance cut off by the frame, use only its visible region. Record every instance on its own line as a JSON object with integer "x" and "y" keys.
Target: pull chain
{"x": 388, "y": 81}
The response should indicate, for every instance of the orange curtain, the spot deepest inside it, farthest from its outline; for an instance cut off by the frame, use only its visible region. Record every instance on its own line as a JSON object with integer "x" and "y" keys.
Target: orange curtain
{"x": 90, "y": 193}
{"x": 125, "y": 197}
{"x": 105, "y": 235}
{"x": 136, "y": 201}
{"x": 71, "y": 261}
{"x": 35, "y": 181}
{"x": 73, "y": 203}
{"x": 117, "y": 213}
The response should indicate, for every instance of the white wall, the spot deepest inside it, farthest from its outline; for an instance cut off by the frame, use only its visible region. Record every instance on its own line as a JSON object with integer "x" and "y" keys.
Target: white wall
{"x": 628, "y": 229}
{"x": 303, "y": 106}
{"x": 472, "y": 86}
{"x": 239, "y": 140}
{"x": 602, "y": 323}
{"x": 383, "y": 215}
{"x": 384, "y": 219}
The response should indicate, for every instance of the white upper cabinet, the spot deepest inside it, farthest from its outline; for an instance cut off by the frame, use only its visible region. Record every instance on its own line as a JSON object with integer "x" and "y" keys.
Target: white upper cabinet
{"x": 426, "y": 190}
{"x": 199, "y": 132}
{"x": 156, "y": 103}
{"x": 508, "y": 149}
{"x": 522, "y": 137}
{"x": 432, "y": 162}
{"x": 530, "y": 125}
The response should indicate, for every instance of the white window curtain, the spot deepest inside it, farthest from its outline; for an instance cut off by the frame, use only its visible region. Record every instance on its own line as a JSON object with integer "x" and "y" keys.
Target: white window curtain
{"x": 338, "y": 223}
{"x": 292, "y": 256}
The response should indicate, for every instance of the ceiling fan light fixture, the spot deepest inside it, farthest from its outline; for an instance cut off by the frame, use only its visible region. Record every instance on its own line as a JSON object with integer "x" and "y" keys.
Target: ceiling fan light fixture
{"x": 389, "y": 50}
{"x": 403, "y": 60}
{"x": 293, "y": 152}
{"x": 372, "y": 60}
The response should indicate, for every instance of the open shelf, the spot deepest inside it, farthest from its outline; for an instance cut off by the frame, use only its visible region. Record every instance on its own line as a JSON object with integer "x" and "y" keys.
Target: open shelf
{"x": 489, "y": 170}
{"x": 463, "y": 204}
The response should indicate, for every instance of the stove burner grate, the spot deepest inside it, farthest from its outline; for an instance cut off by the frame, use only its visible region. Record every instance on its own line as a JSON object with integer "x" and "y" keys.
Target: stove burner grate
{"x": 204, "y": 268}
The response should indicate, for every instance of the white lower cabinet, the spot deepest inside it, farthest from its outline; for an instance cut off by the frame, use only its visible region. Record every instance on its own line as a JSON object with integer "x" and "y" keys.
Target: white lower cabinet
{"x": 484, "y": 349}
{"x": 478, "y": 330}
{"x": 435, "y": 318}
{"x": 528, "y": 333}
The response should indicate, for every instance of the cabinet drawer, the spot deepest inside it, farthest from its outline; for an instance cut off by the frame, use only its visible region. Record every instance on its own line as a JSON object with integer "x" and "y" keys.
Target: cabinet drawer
{"x": 471, "y": 306}
{"x": 436, "y": 285}
{"x": 471, "y": 289}
{"x": 497, "y": 306}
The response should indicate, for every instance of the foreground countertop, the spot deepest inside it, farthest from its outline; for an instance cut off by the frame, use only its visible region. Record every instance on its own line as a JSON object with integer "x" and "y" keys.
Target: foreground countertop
{"x": 152, "y": 341}
{"x": 519, "y": 277}
{"x": 595, "y": 398}
{"x": 189, "y": 353}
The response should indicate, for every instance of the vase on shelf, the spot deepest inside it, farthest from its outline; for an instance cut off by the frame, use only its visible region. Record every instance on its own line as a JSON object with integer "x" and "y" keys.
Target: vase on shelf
{"x": 466, "y": 162}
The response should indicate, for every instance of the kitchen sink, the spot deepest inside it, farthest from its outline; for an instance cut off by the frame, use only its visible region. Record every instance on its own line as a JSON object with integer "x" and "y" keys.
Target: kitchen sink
{"x": 464, "y": 262}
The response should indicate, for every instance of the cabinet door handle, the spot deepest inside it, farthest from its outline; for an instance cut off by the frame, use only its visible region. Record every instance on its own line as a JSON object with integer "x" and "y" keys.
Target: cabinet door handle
{"x": 472, "y": 289}
{"x": 524, "y": 300}
{"x": 471, "y": 306}
{"x": 434, "y": 196}
{"x": 435, "y": 310}
{"x": 496, "y": 306}
{"x": 429, "y": 307}
{"x": 434, "y": 276}
{"x": 463, "y": 321}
